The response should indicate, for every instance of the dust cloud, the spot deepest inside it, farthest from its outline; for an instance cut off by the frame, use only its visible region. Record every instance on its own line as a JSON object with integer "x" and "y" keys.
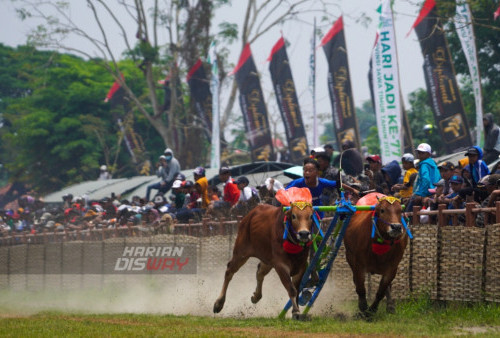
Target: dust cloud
{"x": 155, "y": 294}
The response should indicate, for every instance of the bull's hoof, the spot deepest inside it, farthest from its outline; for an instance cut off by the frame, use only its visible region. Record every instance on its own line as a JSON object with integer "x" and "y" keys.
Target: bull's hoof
{"x": 218, "y": 305}
{"x": 365, "y": 315}
{"x": 255, "y": 298}
{"x": 301, "y": 317}
{"x": 391, "y": 309}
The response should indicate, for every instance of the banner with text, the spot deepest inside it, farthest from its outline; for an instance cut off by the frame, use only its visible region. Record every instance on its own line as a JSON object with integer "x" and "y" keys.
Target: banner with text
{"x": 465, "y": 31}
{"x": 339, "y": 85}
{"x": 386, "y": 92}
{"x": 288, "y": 103}
{"x": 201, "y": 96}
{"x": 441, "y": 81}
{"x": 253, "y": 108}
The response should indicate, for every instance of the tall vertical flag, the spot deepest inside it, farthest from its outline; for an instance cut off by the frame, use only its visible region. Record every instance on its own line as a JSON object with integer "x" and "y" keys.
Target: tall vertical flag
{"x": 465, "y": 31}
{"x": 339, "y": 85}
{"x": 385, "y": 85}
{"x": 199, "y": 87}
{"x": 116, "y": 96}
{"x": 288, "y": 103}
{"x": 441, "y": 81}
{"x": 253, "y": 108}
{"x": 312, "y": 84}
{"x": 214, "y": 86}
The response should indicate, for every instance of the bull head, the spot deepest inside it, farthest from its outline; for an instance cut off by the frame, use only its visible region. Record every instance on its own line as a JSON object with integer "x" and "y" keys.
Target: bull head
{"x": 388, "y": 212}
{"x": 300, "y": 215}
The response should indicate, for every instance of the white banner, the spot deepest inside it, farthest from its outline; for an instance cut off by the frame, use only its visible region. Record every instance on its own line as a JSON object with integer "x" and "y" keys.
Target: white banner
{"x": 385, "y": 80}
{"x": 465, "y": 31}
{"x": 214, "y": 88}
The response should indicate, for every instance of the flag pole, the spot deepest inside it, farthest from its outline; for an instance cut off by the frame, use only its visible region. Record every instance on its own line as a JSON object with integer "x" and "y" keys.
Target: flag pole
{"x": 312, "y": 63}
{"x": 214, "y": 84}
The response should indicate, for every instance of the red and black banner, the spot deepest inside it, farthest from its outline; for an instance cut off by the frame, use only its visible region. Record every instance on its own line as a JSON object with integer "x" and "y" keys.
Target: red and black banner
{"x": 288, "y": 102}
{"x": 253, "y": 108}
{"x": 201, "y": 96}
{"x": 125, "y": 120}
{"x": 444, "y": 95}
{"x": 339, "y": 85}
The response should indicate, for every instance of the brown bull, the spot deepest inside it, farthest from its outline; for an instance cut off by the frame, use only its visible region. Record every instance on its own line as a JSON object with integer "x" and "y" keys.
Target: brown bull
{"x": 260, "y": 235}
{"x": 379, "y": 254}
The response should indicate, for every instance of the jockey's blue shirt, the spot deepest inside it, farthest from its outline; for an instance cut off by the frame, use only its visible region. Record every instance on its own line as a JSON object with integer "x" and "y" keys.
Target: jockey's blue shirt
{"x": 315, "y": 191}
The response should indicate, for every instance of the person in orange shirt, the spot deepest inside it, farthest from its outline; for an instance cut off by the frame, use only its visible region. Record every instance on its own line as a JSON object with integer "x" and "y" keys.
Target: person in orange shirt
{"x": 201, "y": 185}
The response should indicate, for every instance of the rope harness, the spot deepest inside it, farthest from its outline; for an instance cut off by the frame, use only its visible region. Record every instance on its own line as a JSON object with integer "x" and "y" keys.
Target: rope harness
{"x": 381, "y": 245}
{"x": 290, "y": 243}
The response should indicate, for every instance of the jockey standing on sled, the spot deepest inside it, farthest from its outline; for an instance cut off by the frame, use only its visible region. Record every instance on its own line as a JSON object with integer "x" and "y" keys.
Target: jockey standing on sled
{"x": 316, "y": 184}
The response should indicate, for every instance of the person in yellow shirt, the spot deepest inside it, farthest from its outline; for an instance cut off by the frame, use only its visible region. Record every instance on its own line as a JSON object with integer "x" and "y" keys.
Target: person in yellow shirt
{"x": 201, "y": 185}
{"x": 405, "y": 190}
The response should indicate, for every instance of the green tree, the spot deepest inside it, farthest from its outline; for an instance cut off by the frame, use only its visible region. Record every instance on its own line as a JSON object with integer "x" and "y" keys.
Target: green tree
{"x": 60, "y": 130}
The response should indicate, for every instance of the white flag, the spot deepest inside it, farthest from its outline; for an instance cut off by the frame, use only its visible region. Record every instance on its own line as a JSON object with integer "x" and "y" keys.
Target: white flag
{"x": 214, "y": 88}
{"x": 465, "y": 31}
{"x": 386, "y": 92}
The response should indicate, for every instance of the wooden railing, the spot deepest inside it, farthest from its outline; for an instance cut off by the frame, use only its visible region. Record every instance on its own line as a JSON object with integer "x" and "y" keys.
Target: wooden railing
{"x": 444, "y": 215}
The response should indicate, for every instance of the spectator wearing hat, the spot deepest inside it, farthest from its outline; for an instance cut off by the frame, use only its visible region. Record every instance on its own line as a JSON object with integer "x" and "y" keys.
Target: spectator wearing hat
{"x": 172, "y": 169}
{"x": 374, "y": 173}
{"x": 405, "y": 190}
{"x": 447, "y": 170}
{"x": 104, "y": 174}
{"x": 161, "y": 172}
{"x": 491, "y": 139}
{"x": 428, "y": 175}
{"x": 201, "y": 186}
{"x": 249, "y": 197}
{"x": 453, "y": 200}
{"x": 477, "y": 168}
{"x": 178, "y": 195}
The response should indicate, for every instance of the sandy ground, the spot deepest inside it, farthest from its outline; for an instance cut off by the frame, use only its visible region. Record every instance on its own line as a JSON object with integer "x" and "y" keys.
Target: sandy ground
{"x": 164, "y": 294}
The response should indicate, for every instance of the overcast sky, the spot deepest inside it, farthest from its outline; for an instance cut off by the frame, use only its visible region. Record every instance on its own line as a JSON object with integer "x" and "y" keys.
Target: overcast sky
{"x": 359, "y": 39}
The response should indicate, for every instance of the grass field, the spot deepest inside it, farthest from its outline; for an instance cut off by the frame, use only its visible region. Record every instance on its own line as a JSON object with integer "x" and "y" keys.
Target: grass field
{"x": 414, "y": 318}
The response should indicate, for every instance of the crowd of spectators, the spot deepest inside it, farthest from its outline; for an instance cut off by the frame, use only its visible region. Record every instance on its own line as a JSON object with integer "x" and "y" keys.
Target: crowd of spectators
{"x": 418, "y": 182}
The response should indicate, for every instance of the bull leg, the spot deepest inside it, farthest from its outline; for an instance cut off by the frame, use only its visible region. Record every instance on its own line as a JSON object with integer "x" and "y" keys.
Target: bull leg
{"x": 381, "y": 292}
{"x": 390, "y": 306}
{"x": 232, "y": 267}
{"x": 262, "y": 271}
{"x": 359, "y": 281}
{"x": 284, "y": 274}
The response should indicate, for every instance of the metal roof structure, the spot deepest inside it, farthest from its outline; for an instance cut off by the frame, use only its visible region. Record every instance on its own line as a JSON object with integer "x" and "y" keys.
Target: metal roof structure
{"x": 125, "y": 188}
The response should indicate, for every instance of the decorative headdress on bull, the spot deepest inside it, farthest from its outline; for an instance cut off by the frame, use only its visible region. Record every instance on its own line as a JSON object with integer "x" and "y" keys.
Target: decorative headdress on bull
{"x": 387, "y": 225}
{"x": 298, "y": 219}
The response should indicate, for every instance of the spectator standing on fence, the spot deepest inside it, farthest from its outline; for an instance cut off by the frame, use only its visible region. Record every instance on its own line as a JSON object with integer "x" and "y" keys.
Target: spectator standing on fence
{"x": 491, "y": 139}
{"x": 405, "y": 190}
{"x": 428, "y": 175}
{"x": 477, "y": 168}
